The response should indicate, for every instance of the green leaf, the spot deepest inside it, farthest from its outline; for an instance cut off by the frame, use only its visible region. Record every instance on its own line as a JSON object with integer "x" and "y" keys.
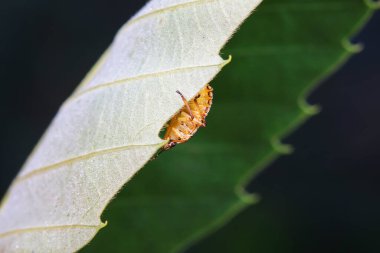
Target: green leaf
{"x": 279, "y": 54}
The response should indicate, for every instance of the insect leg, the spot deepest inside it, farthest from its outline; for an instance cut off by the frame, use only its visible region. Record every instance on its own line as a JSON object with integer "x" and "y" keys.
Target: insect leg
{"x": 186, "y": 104}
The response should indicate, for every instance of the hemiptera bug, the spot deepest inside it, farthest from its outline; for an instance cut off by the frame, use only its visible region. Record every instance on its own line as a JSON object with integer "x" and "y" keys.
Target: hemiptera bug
{"x": 188, "y": 120}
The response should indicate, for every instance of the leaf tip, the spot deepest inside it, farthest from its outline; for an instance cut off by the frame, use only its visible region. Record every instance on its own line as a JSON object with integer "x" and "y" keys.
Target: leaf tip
{"x": 352, "y": 47}
{"x": 246, "y": 197}
{"x": 225, "y": 62}
{"x": 281, "y": 148}
{"x": 102, "y": 225}
{"x": 308, "y": 109}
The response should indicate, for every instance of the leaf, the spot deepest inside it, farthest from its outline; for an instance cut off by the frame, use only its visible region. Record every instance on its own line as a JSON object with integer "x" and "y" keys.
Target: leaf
{"x": 322, "y": 34}
{"x": 287, "y": 47}
{"x": 108, "y": 129}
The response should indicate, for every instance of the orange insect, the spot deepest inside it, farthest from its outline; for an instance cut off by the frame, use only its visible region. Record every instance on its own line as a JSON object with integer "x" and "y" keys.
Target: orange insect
{"x": 189, "y": 119}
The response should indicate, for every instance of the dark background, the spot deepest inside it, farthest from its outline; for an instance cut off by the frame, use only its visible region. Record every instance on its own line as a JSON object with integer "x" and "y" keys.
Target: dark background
{"x": 327, "y": 191}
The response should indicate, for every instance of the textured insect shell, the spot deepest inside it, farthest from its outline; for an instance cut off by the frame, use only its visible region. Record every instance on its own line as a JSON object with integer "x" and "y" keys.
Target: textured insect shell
{"x": 182, "y": 126}
{"x": 204, "y": 100}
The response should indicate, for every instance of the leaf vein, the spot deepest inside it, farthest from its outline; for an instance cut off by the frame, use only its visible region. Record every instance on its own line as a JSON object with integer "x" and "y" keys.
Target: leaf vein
{"x": 87, "y": 156}
{"x": 138, "y": 77}
{"x": 36, "y": 229}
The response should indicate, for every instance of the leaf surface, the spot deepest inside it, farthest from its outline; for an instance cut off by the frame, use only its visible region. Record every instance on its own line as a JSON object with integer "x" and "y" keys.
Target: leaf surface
{"x": 108, "y": 129}
{"x": 318, "y": 43}
{"x": 280, "y": 52}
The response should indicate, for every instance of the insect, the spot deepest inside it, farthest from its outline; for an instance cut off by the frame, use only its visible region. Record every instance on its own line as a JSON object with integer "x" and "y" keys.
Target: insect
{"x": 189, "y": 119}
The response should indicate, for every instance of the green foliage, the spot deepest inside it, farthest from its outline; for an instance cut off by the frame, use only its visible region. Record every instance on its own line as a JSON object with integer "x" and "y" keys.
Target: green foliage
{"x": 285, "y": 48}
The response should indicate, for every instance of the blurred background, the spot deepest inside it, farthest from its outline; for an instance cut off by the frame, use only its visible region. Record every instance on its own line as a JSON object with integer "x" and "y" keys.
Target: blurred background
{"x": 322, "y": 198}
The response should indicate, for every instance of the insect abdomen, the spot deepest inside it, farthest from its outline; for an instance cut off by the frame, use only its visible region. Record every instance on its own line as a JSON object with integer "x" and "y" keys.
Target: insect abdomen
{"x": 185, "y": 123}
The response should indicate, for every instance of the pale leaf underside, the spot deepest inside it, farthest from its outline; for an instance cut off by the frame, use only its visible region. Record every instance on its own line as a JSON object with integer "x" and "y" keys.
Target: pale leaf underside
{"x": 108, "y": 129}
